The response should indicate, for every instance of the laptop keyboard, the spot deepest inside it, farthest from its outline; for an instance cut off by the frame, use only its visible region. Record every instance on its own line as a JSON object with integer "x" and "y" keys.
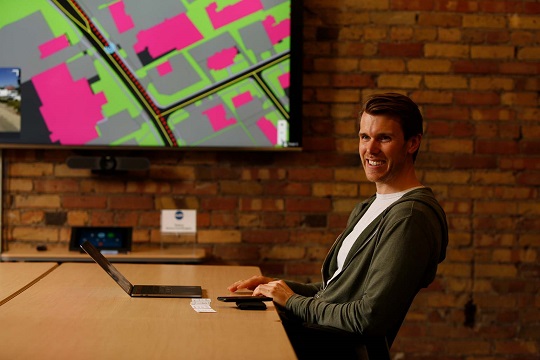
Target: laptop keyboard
{"x": 149, "y": 289}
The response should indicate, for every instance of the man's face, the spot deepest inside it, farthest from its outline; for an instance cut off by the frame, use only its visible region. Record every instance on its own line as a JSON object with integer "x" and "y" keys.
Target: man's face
{"x": 386, "y": 156}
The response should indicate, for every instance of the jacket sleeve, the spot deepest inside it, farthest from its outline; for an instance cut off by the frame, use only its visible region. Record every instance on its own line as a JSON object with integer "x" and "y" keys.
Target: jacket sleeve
{"x": 304, "y": 289}
{"x": 401, "y": 256}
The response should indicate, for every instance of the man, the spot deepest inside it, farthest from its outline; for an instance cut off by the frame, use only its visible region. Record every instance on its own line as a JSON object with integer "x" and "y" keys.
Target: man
{"x": 391, "y": 245}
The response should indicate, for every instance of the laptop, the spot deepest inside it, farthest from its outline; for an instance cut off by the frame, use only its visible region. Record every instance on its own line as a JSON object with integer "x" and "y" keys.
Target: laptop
{"x": 140, "y": 290}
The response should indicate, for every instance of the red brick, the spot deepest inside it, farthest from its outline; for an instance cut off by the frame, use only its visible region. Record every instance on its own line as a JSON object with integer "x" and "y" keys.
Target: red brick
{"x": 56, "y": 185}
{"x": 271, "y": 220}
{"x": 229, "y": 203}
{"x": 497, "y": 37}
{"x": 264, "y": 174}
{"x": 150, "y": 219}
{"x": 476, "y": 67}
{"x": 517, "y": 347}
{"x": 532, "y": 179}
{"x": 340, "y": 95}
{"x": 484, "y": 21}
{"x": 222, "y": 219}
{"x": 127, "y": 218}
{"x": 463, "y": 130}
{"x": 30, "y": 169}
{"x": 261, "y": 204}
{"x": 439, "y": 128}
{"x": 496, "y": 147}
{"x": 319, "y": 143}
{"x": 140, "y": 202}
{"x": 231, "y": 187}
{"x": 333, "y": 64}
{"x": 308, "y": 205}
{"x": 457, "y": 6}
{"x": 446, "y": 113}
{"x": 309, "y": 174}
{"x": 440, "y": 19}
{"x": 493, "y": 114}
{"x": 102, "y": 218}
{"x": 531, "y": 8}
{"x": 265, "y": 236}
{"x": 401, "y": 50}
{"x": 349, "y": 48}
{"x": 84, "y": 202}
{"x": 502, "y": 6}
{"x": 316, "y": 110}
{"x": 238, "y": 252}
{"x": 530, "y": 147}
{"x": 172, "y": 172}
{"x": 474, "y": 162}
{"x": 352, "y": 80}
{"x": 421, "y": 5}
{"x": 432, "y": 97}
{"x": 289, "y": 189}
{"x": 152, "y": 187}
{"x": 523, "y": 68}
{"x": 520, "y": 163}
{"x": 199, "y": 188}
{"x": 468, "y": 98}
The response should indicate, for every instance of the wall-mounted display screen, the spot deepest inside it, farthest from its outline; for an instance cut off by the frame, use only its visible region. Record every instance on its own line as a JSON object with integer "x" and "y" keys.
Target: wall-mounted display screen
{"x": 116, "y": 239}
{"x": 151, "y": 74}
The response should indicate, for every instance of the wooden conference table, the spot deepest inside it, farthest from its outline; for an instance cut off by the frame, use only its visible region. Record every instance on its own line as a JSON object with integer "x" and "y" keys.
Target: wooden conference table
{"x": 17, "y": 277}
{"x": 78, "y": 312}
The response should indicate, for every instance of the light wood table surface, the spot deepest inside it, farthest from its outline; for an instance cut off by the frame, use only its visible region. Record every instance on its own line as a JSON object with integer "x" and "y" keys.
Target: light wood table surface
{"x": 17, "y": 277}
{"x": 78, "y": 312}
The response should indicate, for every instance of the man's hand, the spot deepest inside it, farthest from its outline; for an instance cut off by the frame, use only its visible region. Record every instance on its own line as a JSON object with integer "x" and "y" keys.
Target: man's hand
{"x": 277, "y": 290}
{"x": 250, "y": 283}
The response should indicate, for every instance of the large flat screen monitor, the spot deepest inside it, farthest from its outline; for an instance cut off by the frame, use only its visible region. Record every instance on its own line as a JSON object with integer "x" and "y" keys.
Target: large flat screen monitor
{"x": 133, "y": 74}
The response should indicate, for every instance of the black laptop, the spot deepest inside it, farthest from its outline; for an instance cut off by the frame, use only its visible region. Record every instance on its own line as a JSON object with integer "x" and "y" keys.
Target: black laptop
{"x": 140, "y": 290}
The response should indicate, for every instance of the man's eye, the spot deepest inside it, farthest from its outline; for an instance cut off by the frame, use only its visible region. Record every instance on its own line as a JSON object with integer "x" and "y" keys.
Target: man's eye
{"x": 385, "y": 138}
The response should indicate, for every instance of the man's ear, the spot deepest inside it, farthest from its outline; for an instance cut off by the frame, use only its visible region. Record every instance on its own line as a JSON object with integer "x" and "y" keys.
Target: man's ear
{"x": 414, "y": 143}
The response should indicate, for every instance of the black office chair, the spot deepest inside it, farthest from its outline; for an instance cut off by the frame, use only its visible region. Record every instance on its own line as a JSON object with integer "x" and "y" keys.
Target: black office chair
{"x": 322, "y": 342}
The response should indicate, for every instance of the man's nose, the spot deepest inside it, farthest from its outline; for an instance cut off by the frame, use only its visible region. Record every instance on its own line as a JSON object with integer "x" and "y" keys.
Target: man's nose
{"x": 372, "y": 147}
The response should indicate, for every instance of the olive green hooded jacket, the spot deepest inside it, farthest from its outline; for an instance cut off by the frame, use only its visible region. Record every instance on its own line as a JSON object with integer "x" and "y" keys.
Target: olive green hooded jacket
{"x": 393, "y": 258}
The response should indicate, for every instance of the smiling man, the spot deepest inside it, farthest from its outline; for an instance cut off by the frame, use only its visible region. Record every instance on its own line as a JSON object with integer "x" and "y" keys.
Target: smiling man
{"x": 388, "y": 251}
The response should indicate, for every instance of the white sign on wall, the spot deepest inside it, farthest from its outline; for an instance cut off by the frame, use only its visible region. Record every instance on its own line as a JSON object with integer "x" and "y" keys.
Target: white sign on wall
{"x": 179, "y": 221}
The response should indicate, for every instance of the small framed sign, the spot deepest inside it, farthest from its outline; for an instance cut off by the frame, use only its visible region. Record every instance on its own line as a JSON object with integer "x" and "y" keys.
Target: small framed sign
{"x": 179, "y": 221}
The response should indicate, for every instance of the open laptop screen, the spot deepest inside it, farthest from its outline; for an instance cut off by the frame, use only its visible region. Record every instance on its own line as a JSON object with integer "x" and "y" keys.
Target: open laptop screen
{"x": 107, "y": 266}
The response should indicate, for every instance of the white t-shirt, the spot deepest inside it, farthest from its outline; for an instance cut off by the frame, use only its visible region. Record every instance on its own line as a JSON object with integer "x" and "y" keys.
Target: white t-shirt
{"x": 381, "y": 202}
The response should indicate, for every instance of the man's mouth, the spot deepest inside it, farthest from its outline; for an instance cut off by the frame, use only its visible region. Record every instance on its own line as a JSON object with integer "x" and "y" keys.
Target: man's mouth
{"x": 375, "y": 162}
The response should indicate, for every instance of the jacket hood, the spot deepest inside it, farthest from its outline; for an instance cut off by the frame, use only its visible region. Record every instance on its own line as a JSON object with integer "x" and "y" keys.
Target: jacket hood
{"x": 426, "y": 196}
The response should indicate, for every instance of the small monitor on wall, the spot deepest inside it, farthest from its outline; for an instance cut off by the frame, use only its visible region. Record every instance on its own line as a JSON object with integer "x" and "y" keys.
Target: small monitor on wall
{"x": 107, "y": 239}
{"x": 169, "y": 74}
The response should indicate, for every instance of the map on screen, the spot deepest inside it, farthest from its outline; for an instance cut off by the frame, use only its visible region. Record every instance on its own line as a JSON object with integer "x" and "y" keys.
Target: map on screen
{"x": 168, "y": 73}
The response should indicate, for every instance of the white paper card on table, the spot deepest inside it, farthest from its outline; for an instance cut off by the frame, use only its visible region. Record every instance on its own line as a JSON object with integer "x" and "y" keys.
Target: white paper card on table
{"x": 179, "y": 221}
{"x": 202, "y": 306}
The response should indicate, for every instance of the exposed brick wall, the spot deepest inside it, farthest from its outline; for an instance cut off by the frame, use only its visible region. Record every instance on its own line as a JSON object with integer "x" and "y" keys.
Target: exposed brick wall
{"x": 473, "y": 67}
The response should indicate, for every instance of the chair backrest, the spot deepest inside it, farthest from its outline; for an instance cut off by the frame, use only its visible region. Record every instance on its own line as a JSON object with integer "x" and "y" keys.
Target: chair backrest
{"x": 377, "y": 348}
{"x": 319, "y": 342}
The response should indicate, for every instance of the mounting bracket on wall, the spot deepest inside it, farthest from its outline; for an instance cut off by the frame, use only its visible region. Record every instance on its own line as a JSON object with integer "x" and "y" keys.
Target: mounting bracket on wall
{"x": 108, "y": 164}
